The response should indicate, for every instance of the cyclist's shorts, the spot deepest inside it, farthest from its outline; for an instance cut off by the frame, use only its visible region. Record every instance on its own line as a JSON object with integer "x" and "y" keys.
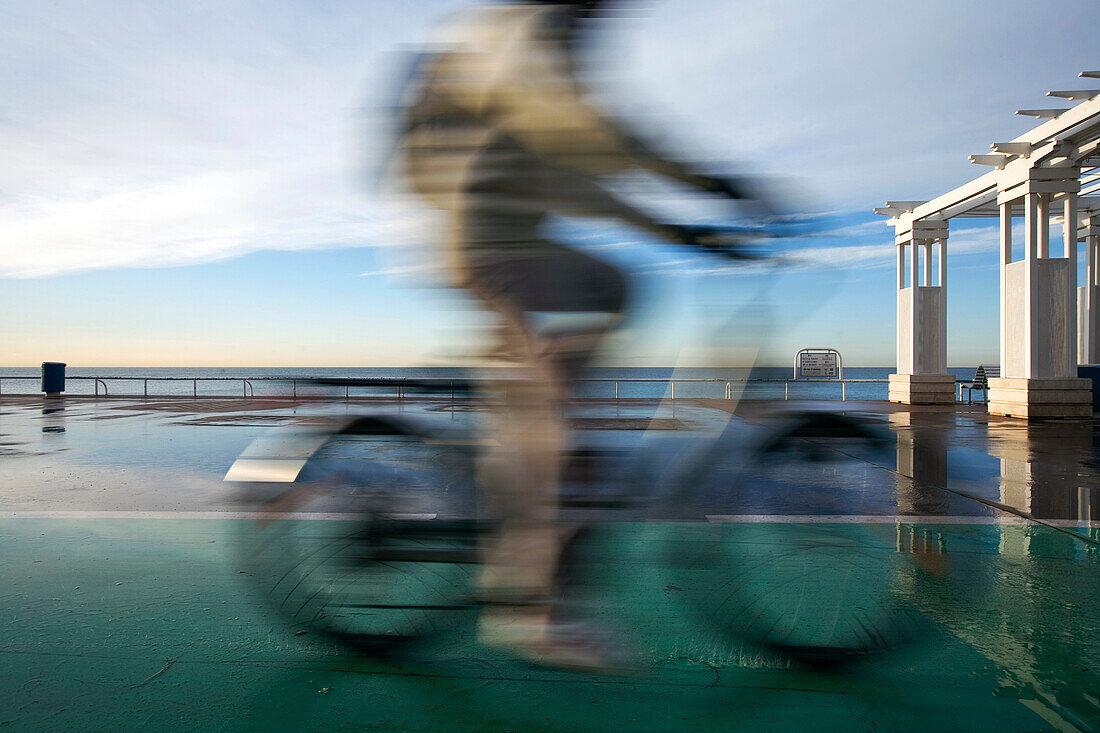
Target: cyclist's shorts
{"x": 563, "y": 280}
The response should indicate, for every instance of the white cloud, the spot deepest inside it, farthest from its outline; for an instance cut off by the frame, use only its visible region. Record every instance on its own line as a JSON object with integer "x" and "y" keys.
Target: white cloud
{"x": 817, "y": 255}
{"x": 868, "y": 100}
{"x": 139, "y": 135}
{"x": 872, "y": 256}
{"x": 153, "y": 135}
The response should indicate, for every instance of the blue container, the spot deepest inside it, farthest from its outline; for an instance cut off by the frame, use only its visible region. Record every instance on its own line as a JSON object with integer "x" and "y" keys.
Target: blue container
{"x": 1091, "y": 371}
{"x": 53, "y": 377}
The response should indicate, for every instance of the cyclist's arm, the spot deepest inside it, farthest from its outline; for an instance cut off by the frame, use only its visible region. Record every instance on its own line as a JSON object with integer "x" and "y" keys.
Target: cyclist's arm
{"x": 579, "y": 194}
{"x": 542, "y": 102}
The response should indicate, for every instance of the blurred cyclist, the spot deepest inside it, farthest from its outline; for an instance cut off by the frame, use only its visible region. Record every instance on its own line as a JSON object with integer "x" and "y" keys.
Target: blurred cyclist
{"x": 498, "y": 133}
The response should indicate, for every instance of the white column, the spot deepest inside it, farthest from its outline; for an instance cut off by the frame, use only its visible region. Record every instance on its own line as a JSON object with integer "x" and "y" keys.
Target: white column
{"x": 922, "y": 332}
{"x": 915, "y": 315}
{"x": 1091, "y": 351}
{"x": 1088, "y": 355}
{"x": 1044, "y": 225}
{"x": 1069, "y": 246}
{"x": 1092, "y": 244}
{"x": 943, "y": 264}
{"x": 914, "y": 264}
{"x": 943, "y": 294}
{"x": 901, "y": 266}
{"x": 1032, "y": 224}
{"x": 1088, "y": 260}
{"x": 1006, "y": 257}
{"x": 900, "y": 326}
{"x": 1092, "y": 279}
{"x": 1069, "y": 229}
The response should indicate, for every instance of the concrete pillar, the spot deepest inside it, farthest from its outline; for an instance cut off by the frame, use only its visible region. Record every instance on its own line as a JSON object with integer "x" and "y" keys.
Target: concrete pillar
{"x": 1034, "y": 221}
{"x": 1006, "y": 258}
{"x": 943, "y": 263}
{"x": 921, "y": 376}
{"x": 901, "y": 266}
{"x": 1088, "y": 295}
{"x": 1039, "y": 306}
{"x": 914, "y": 264}
{"x": 1069, "y": 251}
{"x": 1042, "y": 209}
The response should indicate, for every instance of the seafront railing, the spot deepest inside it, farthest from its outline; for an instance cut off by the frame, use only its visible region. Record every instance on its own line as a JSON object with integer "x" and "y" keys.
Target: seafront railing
{"x": 385, "y": 388}
{"x": 101, "y": 383}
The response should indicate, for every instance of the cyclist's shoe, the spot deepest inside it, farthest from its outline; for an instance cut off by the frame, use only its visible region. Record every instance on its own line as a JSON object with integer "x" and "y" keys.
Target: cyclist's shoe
{"x": 571, "y": 646}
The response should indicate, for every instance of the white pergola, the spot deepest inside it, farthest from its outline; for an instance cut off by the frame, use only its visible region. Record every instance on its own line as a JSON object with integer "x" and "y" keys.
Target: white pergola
{"x": 1049, "y": 323}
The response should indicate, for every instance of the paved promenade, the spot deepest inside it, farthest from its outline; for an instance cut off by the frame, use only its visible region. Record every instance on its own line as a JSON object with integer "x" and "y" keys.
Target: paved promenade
{"x": 125, "y": 604}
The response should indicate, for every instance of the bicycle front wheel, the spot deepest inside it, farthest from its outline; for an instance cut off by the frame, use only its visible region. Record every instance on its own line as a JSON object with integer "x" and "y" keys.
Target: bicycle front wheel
{"x": 368, "y": 546}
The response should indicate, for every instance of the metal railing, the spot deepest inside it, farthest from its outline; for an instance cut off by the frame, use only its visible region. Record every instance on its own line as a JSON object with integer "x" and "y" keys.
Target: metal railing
{"x": 101, "y": 383}
{"x": 401, "y": 387}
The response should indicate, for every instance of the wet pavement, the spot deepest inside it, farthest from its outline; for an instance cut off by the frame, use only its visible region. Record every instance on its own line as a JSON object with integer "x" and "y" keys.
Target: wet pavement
{"x": 126, "y": 603}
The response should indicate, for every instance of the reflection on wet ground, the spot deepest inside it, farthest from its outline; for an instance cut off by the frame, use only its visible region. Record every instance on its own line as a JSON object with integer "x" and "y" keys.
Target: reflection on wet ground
{"x": 122, "y": 592}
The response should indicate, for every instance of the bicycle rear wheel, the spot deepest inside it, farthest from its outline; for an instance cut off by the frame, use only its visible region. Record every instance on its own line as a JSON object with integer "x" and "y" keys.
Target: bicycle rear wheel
{"x": 802, "y": 565}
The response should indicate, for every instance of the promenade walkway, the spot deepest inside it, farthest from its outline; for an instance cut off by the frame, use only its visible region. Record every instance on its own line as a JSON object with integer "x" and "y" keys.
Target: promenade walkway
{"x": 124, "y": 604}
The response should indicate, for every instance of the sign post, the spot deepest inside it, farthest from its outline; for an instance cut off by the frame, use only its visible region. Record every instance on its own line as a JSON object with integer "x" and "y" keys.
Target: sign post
{"x": 815, "y": 363}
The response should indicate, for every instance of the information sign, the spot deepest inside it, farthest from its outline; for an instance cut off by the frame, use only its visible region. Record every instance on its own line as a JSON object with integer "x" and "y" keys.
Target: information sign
{"x": 817, "y": 364}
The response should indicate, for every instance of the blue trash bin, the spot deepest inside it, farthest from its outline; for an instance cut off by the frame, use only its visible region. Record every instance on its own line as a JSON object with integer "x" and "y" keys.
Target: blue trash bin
{"x": 1091, "y": 371}
{"x": 53, "y": 377}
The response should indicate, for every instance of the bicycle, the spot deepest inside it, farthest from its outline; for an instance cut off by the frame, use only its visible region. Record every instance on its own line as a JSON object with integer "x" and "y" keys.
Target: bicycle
{"x": 369, "y": 524}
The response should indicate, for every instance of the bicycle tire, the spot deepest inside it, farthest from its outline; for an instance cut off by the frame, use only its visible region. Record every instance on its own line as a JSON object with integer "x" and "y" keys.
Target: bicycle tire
{"x": 373, "y": 556}
{"x": 818, "y": 589}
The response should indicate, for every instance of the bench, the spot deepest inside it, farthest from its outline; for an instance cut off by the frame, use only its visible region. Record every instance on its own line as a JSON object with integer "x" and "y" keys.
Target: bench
{"x": 982, "y": 375}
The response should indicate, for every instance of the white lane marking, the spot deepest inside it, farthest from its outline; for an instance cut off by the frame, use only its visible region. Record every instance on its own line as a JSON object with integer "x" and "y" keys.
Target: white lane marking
{"x": 92, "y": 514}
{"x": 714, "y": 518}
{"x": 891, "y": 519}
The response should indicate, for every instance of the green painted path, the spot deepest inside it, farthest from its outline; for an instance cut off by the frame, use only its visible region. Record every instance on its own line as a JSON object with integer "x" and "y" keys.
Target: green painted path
{"x": 127, "y": 623}
{"x": 142, "y": 619}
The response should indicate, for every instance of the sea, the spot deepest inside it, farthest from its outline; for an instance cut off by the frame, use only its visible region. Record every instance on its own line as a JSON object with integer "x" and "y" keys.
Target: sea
{"x": 632, "y": 382}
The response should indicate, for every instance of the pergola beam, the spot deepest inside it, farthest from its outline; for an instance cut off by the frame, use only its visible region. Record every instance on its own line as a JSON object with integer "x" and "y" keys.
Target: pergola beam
{"x": 1043, "y": 113}
{"x": 903, "y": 205}
{"x": 1064, "y": 123}
{"x": 997, "y": 161}
{"x": 1075, "y": 95}
{"x": 1021, "y": 149}
{"x": 1090, "y": 204}
{"x": 1046, "y": 139}
{"x": 989, "y": 197}
{"x": 1087, "y": 150}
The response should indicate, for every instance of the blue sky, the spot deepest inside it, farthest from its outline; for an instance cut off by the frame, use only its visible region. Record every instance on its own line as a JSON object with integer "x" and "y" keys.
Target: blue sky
{"x": 189, "y": 183}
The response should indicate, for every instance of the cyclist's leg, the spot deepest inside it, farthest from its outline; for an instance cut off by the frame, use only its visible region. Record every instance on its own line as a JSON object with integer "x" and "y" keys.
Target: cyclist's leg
{"x": 521, "y": 472}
